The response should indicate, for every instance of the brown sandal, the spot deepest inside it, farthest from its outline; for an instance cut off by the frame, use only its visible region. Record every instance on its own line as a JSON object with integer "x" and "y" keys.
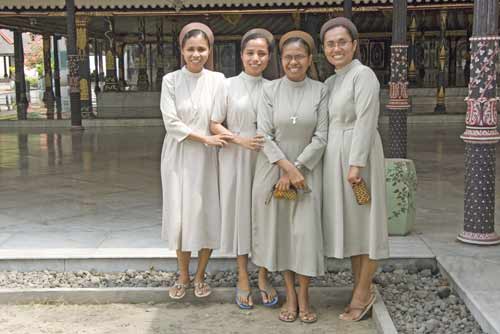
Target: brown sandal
{"x": 364, "y": 310}
{"x": 373, "y": 290}
{"x": 202, "y": 289}
{"x": 308, "y": 317}
{"x": 178, "y": 288}
{"x": 287, "y": 316}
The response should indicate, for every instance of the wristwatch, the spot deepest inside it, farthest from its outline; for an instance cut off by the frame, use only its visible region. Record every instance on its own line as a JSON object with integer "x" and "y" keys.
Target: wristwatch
{"x": 300, "y": 166}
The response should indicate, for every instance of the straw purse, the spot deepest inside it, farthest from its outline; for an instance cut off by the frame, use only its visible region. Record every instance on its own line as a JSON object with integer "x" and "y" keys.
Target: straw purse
{"x": 361, "y": 192}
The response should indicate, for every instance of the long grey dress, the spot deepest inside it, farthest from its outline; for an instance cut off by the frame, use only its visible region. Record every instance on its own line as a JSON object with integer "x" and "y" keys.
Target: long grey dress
{"x": 353, "y": 140}
{"x": 191, "y": 212}
{"x": 237, "y": 164}
{"x": 287, "y": 235}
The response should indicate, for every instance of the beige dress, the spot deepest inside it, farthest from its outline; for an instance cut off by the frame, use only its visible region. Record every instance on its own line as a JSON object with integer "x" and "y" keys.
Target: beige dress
{"x": 353, "y": 140}
{"x": 191, "y": 212}
{"x": 237, "y": 164}
{"x": 287, "y": 235}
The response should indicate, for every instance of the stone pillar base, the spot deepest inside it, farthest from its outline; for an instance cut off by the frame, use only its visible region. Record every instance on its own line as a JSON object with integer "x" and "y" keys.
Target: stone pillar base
{"x": 486, "y": 239}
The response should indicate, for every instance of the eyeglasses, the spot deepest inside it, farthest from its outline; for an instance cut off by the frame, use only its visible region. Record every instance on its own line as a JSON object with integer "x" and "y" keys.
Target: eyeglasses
{"x": 341, "y": 44}
{"x": 297, "y": 58}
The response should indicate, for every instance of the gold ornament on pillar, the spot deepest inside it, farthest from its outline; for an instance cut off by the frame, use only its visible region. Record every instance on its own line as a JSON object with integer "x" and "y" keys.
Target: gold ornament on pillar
{"x": 412, "y": 68}
{"x": 296, "y": 19}
{"x": 81, "y": 34}
{"x": 84, "y": 90}
{"x": 232, "y": 19}
{"x": 110, "y": 63}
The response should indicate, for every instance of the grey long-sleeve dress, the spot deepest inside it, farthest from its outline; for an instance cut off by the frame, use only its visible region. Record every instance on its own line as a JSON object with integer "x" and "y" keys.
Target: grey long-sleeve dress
{"x": 353, "y": 140}
{"x": 191, "y": 212}
{"x": 287, "y": 235}
{"x": 237, "y": 164}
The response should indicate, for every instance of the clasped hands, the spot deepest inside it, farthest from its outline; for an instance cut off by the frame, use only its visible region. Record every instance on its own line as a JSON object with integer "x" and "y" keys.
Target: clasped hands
{"x": 292, "y": 176}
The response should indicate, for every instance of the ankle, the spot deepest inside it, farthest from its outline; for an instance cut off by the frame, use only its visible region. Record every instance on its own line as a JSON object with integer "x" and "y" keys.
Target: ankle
{"x": 243, "y": 275}
{"x": 198, "y": 278}
{"x": 183, "y": 278}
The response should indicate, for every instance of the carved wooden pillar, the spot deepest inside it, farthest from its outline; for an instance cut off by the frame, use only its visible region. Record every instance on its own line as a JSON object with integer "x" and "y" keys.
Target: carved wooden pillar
{"x": 160, "y": 71}
{"x": 5, "y": 67}
{"x": 142, "y": 79}
{"x": 11, "y": 61}
{"x": 481, "y": 133}
{"x": 101, "y": 46}
{"x": 21, "y": 99}
{"x": 82, "y": 44}
{"x": 73, "y": 64}
{"x": 412, "y": 69}
{"x": 120, "y": 50}
{"x": 111, "y": 83}
{"x": 441, "y": 77}
{"x": 398, "y": 86}
{"x": 452, "y": 60}
{"x": 48, "y": 95}
{"x": 348, "y": 9}
{"x": 97, "y": 59}
{"x": 57, "y": 78}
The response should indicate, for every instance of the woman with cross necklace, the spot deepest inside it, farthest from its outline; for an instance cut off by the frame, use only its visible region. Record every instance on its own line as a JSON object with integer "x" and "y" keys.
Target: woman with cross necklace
{"x": 293, "y": 118}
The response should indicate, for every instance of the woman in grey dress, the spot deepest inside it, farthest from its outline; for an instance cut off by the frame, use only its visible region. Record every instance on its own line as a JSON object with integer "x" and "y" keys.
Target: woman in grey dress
{"x": 237, "y": 160}
{"x": 293, "y": 118}
{"x": 354, "y": 153}
{"x": 191, "y": 213}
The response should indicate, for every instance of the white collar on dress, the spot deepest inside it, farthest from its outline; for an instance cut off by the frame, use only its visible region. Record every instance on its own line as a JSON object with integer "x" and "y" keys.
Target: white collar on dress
{"x": 191, "y": 74}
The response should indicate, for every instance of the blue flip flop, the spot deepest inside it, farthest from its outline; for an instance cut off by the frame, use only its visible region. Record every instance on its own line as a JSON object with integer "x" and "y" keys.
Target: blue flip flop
{"x": 267, "y": 291}
{"x": 245, "y": 294}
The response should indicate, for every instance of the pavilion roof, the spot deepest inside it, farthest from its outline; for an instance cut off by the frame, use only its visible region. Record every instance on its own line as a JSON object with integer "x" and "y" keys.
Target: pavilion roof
{"x": 171, "y": 4}
{"x": 6, "y": 43}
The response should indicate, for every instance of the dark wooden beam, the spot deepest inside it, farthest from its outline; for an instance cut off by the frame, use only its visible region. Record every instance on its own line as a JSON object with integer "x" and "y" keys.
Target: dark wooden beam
{"x": 73, "y": 64}
{"x": 21, "y": 99}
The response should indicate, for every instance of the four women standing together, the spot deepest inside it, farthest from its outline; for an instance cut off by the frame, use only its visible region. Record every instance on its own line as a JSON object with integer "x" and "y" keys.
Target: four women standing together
{"x": 294, "y": 135}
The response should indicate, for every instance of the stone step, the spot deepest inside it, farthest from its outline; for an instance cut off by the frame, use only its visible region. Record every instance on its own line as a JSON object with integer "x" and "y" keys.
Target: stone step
{"x": 404, "y": 251}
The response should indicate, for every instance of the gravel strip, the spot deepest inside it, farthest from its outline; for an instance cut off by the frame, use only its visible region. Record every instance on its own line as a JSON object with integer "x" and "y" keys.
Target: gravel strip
{"x": 419, "y": 299}
{"x": 133, "y": 278}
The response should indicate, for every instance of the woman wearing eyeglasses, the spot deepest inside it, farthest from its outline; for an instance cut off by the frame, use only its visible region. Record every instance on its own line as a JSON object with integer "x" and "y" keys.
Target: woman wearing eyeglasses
{"x": 354, "y": 153}
{"x": 293, "y": 118}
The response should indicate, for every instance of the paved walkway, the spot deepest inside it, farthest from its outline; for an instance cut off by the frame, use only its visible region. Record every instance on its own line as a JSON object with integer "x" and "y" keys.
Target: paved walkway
{"x": 99, "y": 193}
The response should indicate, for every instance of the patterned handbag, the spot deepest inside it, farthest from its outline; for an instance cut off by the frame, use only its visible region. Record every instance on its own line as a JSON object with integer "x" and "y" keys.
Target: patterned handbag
{"x": 361, "y": 192}
{"x": 290, "y": 194}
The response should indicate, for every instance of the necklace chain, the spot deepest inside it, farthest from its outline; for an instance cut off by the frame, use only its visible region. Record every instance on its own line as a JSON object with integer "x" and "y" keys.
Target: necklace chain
{"x": 294, "y": 117}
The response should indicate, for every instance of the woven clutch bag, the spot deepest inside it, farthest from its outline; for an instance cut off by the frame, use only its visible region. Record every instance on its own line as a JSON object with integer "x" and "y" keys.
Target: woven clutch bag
{"x": 361, "y": 192}
{"x": 290, "y": 194}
